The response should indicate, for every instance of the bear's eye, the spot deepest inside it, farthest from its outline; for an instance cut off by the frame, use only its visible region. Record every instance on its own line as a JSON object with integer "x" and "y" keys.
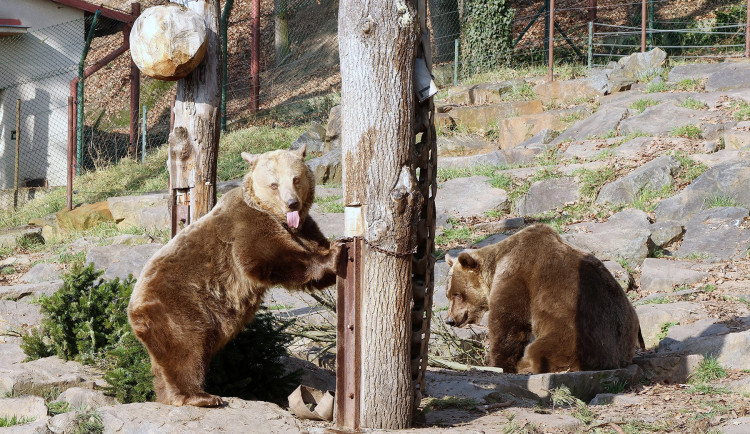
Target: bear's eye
{"x": 458, "y": 297}
{"x": 295, "y": 180}
{"x": 274, "y": 186}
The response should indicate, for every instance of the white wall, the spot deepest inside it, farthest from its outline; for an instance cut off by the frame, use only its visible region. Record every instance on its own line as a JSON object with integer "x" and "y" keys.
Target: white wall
{"x": 37, "y": 68}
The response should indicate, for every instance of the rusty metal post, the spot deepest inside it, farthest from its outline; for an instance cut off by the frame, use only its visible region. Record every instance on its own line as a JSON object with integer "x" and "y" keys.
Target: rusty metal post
{"x": 592, "y": 10}
{"x": 551, "y": 57}
{"x": 135, "y": 87}
{"x": 348, "y": 343}
{"x": 255, "y": 56}
{"x": 747, "y": 30}
{"x": 18, "y": 150}
{"x": 71, "y": 151}
{"x": 644, "y": 19}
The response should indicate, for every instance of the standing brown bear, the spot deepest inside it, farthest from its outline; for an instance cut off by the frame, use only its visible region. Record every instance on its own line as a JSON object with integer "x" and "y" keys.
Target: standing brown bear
{"x": 533, "y": 283}
{"x": 207, "y": 283}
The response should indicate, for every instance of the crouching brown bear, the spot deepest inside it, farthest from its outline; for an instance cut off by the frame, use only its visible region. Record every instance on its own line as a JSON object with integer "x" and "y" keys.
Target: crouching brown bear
{"x": 534, "y": 284}
{"x": 202, "y": 288}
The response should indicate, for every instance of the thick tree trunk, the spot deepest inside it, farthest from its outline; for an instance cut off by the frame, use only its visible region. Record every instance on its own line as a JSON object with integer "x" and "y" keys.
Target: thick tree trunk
{"x": 377, "y": 45}
{"x": 194, "y": 139}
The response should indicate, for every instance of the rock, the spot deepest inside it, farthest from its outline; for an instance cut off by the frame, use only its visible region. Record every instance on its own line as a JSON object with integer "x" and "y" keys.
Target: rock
{"x": 452, "y": 200}
{"x": 236, "y": 416}
{"x": 587, "y": 148}
{"x": 548, "y": 194}
{"x": 716, "y": 130}
{"x": 168, "y": 42}
{"x": 620, "y": 274}
{"x": 658, "y": 275}
{"x": 501, "y": 225}
{"x": 125, "y": 209}
{"x": 495, "y": 158}
{"x": 10, "y": 237}
{"x": 661, "y": 120}
{"x": 566, "y": 91}
{"x": 513, "y": 131}
{"x": 313, "y": 139}
{"x": 493, "y": 239}
{"x": 310, "y": 375}
{"x": 670, "y": 369}
{"x": 333, "y": 129}
{"x": 479, "y": 117}
{"x": 29, "y": 407}
{"x": 653, "y": 316}
{"x": 627, "y": 71}
{"x": 729, "y": 349}
{"x": 41, "y": 273}
{"x": 542, "y": 140}
{"x": 666, "y": 232}
{"x": 720, "y": 157}
{"x": 737, "y": 138}
{"x": 716, "y": 233}
{"x": 483, "y": 93}
{"x": 78, "y": 397}
{"x": 546, "y": 422}
{"x": 17, "y": 292}
{"x": 227, "y": 186}
{"x": 728, "y": 179}
{"x": 331, "y": 224}
{"x": 615, "y": 399}
{"x": 156, "y": 217}
{"x": 17, "y": 316}
{"x": 654, "y": 175}
{"x": 327, "y": 169}
{"x": 119, "y": 260}
{"x": 625, "y": 236}
{"x": 740, "y": 386}
{"x": 42, "y": 377}
{"x": 463, "y": 145}
{"x": 521, "y": 172}
{"x": 731, "y": 76}
{"x": 604, "y": 120}
{"x": 84, "y": 217}
{"x": 571, "y": 169}
{"x": 693, "y": 71}
{"x": 740, "y": 425}
{"x": 583, "y": 384}
{"x": 680, "y": 336}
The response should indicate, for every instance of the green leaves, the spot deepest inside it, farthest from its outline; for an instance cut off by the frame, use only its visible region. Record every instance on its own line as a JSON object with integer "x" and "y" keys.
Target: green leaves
{"x": 486, "y": 34}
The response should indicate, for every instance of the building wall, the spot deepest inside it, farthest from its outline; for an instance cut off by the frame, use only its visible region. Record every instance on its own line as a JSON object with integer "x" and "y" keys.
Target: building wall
{"x": 37, "y": 68}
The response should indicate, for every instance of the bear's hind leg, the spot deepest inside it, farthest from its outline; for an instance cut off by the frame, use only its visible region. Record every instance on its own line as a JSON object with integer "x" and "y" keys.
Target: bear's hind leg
{"x": 179, "y": 381}
{"x": 555, "y": 353}
{"x": 509, "y": 324}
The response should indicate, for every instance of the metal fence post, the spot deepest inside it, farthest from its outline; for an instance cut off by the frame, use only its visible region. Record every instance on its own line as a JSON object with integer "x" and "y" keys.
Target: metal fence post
{"x": 591, "y": 43}
{"x": 79, "y": 135}
{"x": 644, "y": 18}
{"x": 551, "y": 61}
{"x": 455, "y": 63}
{"x": 747, "y": 28}
{"x": 255, "y": 56}
{"x": 18, "y": 150}
{"x": 224, "y": 56}
{"x": 143, "y": 134}
{"x": 650, "y": 24}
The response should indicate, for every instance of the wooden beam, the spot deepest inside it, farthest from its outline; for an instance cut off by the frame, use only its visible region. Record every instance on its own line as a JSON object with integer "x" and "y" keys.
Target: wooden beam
{"x": 90, "y": 7}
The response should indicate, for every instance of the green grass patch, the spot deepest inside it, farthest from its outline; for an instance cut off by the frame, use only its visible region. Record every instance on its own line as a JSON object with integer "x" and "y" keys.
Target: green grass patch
{"x": 693, "y": 104}
{"x": 665, "y": 329}
{"x": 697, "y": 256}
{"x": 648, "y": 198}
{"x": 709, "y": 369}
{"x": 58, "y": 407}
{"x": 279, "y": 306}
{"x": 656, "y": 86}
{"x": 689, "y": 85}
{"x": 455, "y": 234}
{"x": 741, "y": 110}
{"x": 8, "y": 270}
{"x": 657, "y": 300}
{"x": 330, "y": 204}
{"x": 720, "y": 200}
{"x": 617, "y": 385}
{"x": 522, "y": 92}
{"x": 87, "y": 422}
{"x": 561, "y": 396}
{"x": 8, "y": 421}
{"x": 592, "y": 181}
{"x": 642, "y": 104}
{"x": 689, "y": 169}
{"x": 687, "y": 131}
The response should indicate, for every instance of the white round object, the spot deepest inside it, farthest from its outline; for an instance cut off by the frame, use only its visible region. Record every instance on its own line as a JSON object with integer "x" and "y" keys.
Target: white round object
{"x": 167, "y": 42}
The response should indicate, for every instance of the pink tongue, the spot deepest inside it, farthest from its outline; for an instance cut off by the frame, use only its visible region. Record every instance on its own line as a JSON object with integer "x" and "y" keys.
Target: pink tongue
{"x": 292, "y": 219}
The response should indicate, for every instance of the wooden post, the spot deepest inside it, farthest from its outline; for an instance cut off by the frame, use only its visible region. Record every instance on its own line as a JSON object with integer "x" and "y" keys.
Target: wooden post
{"x": 255, "y": 56}
{"x": 551, "y": 57}
{"x": 644, "y": 19}
{"x": 194, "y": 140}
{"x": 18, "y": 150}
{"x": 377, "y": 46}
{"x": 349, "y": 338}
{"x": 135, "y": 87}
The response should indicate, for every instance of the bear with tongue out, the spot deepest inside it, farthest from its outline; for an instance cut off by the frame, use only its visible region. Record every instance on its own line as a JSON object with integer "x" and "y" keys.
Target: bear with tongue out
{"x": 203, "y": 287}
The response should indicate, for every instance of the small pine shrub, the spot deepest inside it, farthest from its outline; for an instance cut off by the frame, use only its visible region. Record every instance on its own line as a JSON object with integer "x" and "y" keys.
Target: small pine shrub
{"x": 129, "y": 379}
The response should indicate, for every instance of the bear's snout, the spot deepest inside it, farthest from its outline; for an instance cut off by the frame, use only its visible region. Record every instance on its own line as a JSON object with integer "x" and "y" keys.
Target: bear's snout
{"x": 450, "y": 321}
{"x": 293, "y": 204}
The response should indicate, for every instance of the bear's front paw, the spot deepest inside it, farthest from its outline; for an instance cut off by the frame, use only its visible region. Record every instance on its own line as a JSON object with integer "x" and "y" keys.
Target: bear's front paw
{"x": 204, "y": 400}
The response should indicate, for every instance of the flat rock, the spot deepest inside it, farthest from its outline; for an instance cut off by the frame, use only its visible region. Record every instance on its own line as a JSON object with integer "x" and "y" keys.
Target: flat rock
{"x": 625, "y": 235}
{"x": 331, "y": 224}
{"x": 495, "y": 158}
{"x": 740, "y": 425}
{"x": 482, "y": 93}
{"x": 734, "y": 139}
{"x": 680, "y": 336}
{"x": 9, "y": 237}
{"x": 41, "y": 273}
{"x": 548, "y": 194}
{"x": 632, "y": 148}
{"x": 512, "y": 131}
{"x": 716, "y": 233}
{"x": 660, "y": 120}
{"x": 731, "y": 76}
{"x": 565, "y": 91}
{"x": 620, "y": 274}
{"x": 666, "y": 232}
{"x": 236, "y": 416}
{"x": 571, "y": 169}
{"x": 79, "y": 397}
{"x": 155, "y": 217}
{"x": 694, "y": 71}
{"x": 606, "y": 119}
{"x": 664, "y": 274}
{"x": 492, "y": 239}
{"x": 17, "y": 292}
{"x": 479, "y": 117}
{"x": 615, "y": 399}
{"x": 561, "y": 422}
{"x": 725, "y": 155}
{"x": 653, "y": 316}
{"x": 119, "y": 260}
{"x": 728, "y": 179}
{"x": 463, "y": 145}
{"x": 587, "y": 148}
{"x": 23, "y": 407}
{"x": 541, "y": 140}
{"x": 452, "y": 200}
{"x": 654, "y": 175}
{"x": 18, "y": 316}
{"x": 125, "y": 209}
{"x": 42, "y": 376}
{"x": 501, "y": 225}
{"x": 730, "y": 349}
{"x": 667, "y": 368}
{"x": 327, "y": 168}
{"x": 740, "y": 386}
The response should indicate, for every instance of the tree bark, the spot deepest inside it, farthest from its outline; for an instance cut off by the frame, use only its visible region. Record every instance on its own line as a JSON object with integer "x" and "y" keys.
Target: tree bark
{"x": 281, "y": 31}
{"x": 196, "y": 121}
{"x": 377, "y": 46}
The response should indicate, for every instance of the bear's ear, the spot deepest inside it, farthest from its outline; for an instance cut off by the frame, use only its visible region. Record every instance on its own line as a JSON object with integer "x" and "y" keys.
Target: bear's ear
{"x": 467, "y": 260}
{"x": 449, "y": 260}
{"x": 302, "y": 151}
{"x": 251, "y": 159}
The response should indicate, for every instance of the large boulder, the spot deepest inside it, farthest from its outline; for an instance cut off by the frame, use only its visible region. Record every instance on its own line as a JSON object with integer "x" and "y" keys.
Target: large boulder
{"x": 513, "y": 131}
{"x": 120, "y": 260}
{"x": 11, "y": 236}
{"x": 654, "y": 175}
{"x": 606, "y": 119}
{"x": 731, "y": 76}
{"x": 653, "y": 317}
{"x": 625, "y": 236}
{"x": 313, "y": 139}
{"x": 84, "y": 217}
{"x": 660, "y": 120}
{"x": 565, "y": 91}
{"x": 453, "y": 201}
{"x": 125, "y": 209}
{"x": 659, "y": 275}
{"x": 327, "y": 168}
{"x": 548, "y": 194}
{"x": 463, "y": 145}
{"x": 167, "y": 42}
{"x": 627, "y": 71}
{"x": 716, "y": 234}
{"x": 480, "y": 117}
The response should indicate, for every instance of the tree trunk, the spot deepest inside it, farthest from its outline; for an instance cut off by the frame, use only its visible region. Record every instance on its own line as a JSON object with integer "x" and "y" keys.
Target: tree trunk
{"x": 377, "y": 45}
{"x": 194, "y": 139}
{"x": 281, "y": 31}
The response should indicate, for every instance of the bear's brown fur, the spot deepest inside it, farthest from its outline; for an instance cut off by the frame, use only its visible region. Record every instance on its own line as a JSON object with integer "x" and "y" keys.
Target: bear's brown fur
{"x": 533, "y": 283}
{"x": 197, "y": 292}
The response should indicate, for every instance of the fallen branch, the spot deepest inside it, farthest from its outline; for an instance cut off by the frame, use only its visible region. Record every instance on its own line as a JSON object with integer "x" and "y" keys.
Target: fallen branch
{"x": 442, "y": 363}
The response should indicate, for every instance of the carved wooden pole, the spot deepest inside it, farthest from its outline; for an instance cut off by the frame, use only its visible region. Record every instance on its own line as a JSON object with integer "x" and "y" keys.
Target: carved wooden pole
{"x": 377, "y": 46}
{"x": 194, "y": 139}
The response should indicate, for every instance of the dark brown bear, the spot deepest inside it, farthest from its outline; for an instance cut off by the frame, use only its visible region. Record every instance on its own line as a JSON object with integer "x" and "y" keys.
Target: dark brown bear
{"x": 535, "y": 284}
{"x": 208, "y": 282}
